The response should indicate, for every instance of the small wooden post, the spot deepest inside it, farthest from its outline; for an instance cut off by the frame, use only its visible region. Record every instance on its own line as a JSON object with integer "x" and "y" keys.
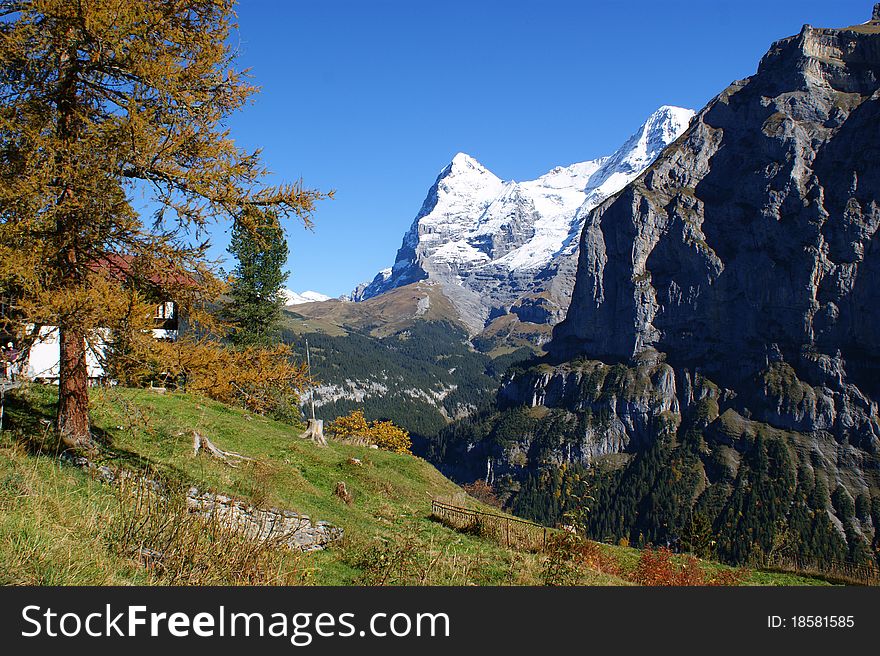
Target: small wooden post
{"x": 311, "y": 384}
{"x": 315, "y": 428}
{"x": 508, "y": 532}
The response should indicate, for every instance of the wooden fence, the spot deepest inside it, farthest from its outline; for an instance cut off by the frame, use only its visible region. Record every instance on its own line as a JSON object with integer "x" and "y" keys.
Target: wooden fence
{"x": 837, "y": 571}
{"x": 528, "y": 536}
{"x": 509, "y": 531}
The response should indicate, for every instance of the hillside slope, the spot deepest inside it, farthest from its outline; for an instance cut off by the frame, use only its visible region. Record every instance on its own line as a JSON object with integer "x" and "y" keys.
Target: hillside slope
{"x": 61, "y": 526}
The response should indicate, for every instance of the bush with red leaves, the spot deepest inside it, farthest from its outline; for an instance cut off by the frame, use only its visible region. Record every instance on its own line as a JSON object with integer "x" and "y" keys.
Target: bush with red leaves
{"x": 657, "y": 567}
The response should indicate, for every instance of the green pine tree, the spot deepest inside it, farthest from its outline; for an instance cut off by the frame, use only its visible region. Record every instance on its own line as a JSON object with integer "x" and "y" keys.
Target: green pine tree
{"x": 254, "y": 308}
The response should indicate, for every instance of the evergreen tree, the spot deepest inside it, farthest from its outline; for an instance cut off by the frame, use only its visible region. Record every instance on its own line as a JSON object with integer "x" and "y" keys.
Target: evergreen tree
{"x": 254, "y": 309}
{"x": 101, "y": 100}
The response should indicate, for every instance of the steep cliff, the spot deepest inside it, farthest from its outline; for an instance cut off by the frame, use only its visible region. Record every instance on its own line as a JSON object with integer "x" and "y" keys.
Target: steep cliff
{"x": 724, "y": 327}
{"x": 747, "y": 250}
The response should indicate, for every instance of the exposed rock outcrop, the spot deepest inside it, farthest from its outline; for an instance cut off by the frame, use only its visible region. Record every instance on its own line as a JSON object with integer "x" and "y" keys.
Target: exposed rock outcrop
{"x": 721, "y": 353}
{"x": 291, "y": 528}
{"x": 748, "y": 249}
{"x": 285, "y": 527}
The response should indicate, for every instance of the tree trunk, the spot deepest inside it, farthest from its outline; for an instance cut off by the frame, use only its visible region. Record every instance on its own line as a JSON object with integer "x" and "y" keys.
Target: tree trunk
{"x": 73, "y": 376}
{"x": 73, "y": 390}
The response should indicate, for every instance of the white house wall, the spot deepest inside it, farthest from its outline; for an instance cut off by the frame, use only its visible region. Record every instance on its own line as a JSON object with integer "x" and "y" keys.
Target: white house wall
{"x": 45, "y": 355}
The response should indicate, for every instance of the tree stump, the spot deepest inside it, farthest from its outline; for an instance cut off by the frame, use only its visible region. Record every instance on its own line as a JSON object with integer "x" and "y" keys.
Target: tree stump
{"x": 202, "y": 443}
{"x": 342, "y": 492}
{"x": 315, "y": 432}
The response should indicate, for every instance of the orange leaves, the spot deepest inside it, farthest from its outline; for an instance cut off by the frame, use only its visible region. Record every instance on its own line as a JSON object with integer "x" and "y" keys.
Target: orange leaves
{"x": 656, "y": 567}
{"x": 258, "y": 378}
{"x": 570, "y": 557}
{"x": 383, "y": 434}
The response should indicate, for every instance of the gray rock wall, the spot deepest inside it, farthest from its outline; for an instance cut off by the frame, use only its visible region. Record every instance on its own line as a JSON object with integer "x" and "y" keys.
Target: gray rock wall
{"x": 750, "y": 244}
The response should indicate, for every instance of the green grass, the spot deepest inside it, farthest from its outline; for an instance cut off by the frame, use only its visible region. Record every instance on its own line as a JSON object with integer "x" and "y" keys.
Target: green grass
{"x": 58, "y": 525}
{"x": 58, "y": 512}
{"x": 627, "y": 557}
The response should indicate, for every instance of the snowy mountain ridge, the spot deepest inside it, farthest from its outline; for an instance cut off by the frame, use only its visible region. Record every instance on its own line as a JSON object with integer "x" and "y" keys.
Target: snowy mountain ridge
{"x": 491, "y": 242}
{"x": 294, "y": 298}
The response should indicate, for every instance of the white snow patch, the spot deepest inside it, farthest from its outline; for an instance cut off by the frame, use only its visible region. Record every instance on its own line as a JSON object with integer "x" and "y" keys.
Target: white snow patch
{"x": 294, "y": 298}
{"x": 474, "y": 209}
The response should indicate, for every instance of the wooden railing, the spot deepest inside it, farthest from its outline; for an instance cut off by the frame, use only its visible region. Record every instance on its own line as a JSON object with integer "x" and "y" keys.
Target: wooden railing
{"x": 510, "y": 531}
{"x": 528, "y": 536}
{"x": 833, "y": 570}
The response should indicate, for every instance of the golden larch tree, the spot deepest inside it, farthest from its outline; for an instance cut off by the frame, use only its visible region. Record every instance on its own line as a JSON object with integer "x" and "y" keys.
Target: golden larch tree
{"x": 102, "y": 101}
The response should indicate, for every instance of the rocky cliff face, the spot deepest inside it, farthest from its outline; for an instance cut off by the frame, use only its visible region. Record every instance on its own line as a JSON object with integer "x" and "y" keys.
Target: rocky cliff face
{"x": 724, "y": 327}
{"x": 497, "y": 247}
{"x": 748, "y": 249}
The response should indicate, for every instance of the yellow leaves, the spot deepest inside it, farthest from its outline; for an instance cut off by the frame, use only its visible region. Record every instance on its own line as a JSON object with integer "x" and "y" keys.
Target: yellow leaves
{"x": 383, "y": 434}
{"x": 390, "y": 437}
{"x": 351, "y": 425}
{"x": 261, "y": 379}
{"x": 151, "y": 85}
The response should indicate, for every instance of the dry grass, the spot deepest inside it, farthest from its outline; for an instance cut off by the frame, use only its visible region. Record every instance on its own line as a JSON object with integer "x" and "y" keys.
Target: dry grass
{"x": 52, "y": 523}
{"x": 417, "y": 558}
{"x": 61, "y": 527}
{"x": 177, "y": 547}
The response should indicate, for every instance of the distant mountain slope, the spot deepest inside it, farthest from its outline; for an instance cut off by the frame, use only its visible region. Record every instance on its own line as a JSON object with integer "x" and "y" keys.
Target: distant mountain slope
{"x": 718, "y": 366}
{"x": 386, "y": 314}
{"x": 496, "y": 247}
{"x": 421, "y": 376}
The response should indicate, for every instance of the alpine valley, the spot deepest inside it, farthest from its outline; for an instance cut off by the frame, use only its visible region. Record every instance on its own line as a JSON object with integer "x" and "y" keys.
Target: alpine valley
{"x": 659, "y": 366}
{"x": 484, "y": 272}
{"x": 681, "y": 337}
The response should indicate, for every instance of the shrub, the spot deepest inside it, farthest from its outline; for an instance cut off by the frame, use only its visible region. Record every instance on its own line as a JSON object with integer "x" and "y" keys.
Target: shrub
{"x": 383, "y": 434}
{"x": 656, "y": 567}
{"x": 390, "y": 437}
{"x": 265, "y": 380}
{"x": 350, "y": 425}
{"x": 570, "y": 557}
{"x": 483, "y": 492}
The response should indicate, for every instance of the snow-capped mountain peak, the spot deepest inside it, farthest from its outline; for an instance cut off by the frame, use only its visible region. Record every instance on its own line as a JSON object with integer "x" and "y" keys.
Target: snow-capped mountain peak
{"x": 294, "y": 298}
{"x": 490, "y": 242}
{"x": 463, "y": 181}
{"x": 662, "y": 128}
{"x": 462, "y": 163}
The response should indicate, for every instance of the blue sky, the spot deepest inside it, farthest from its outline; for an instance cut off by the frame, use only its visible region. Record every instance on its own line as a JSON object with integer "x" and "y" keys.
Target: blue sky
{"x": 373, "y": 99}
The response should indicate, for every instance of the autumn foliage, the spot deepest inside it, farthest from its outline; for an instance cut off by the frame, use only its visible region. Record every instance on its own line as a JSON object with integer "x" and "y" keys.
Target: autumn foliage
{"x": 102, "y": 103}
{"x": 265, "y": 380}
{"x": 383, "y": 434}
{"x": 570, "y": 557}
{"x": 483, "y": 492}
{"x": 656, "y": 567}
